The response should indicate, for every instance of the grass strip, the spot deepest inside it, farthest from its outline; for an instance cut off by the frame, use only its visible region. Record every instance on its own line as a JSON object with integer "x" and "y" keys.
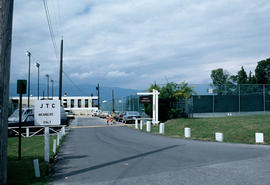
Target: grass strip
{"x": 239, "y": 129}
{"x": 22, "y": 172}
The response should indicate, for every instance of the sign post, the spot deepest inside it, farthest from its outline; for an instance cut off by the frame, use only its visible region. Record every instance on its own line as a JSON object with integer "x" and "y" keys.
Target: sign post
{"x": 21, "y": 89}
{"x": 155, "y": 94}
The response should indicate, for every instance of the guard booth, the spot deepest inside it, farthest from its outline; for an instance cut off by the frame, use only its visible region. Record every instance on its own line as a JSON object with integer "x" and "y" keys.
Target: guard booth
{"x": 155, "y": 94}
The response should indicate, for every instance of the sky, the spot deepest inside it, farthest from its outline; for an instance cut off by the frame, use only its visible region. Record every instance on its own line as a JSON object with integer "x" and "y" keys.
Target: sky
{"x": 133, "y": 43}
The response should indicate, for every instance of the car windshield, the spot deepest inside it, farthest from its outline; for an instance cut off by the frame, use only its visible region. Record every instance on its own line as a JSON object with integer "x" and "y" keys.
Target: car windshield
{"x": 15, "y": 114}
{"x": 133, "y": 113}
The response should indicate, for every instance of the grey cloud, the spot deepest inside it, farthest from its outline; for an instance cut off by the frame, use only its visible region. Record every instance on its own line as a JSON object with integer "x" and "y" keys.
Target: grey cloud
{"x": 144, "y": 41}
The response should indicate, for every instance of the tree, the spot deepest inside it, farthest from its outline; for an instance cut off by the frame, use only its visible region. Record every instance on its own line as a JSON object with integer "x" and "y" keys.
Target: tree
{"x": 251, "y": 78}
{"x": 241, "y": 76}
{"x": 221, "y": 81}
{"x": 262, "y": 72}
{"x": 169, "y": 97}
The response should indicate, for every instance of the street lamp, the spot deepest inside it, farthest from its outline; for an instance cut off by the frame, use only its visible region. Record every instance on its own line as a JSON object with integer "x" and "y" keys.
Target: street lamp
{"x": 29, "y": 56}
{"x": 52, "y": 88}
{"x": 48, "y": 88}
{"x": 38, "y": 65}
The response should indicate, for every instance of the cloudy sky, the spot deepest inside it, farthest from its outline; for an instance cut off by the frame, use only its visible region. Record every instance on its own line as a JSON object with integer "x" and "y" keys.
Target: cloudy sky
{"x": 133, "y": 43}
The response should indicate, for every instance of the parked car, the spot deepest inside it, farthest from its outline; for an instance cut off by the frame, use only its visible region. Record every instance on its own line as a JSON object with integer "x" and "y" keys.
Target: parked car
{"x": 119, "y": 116}
{"x": 129, "y": 116}
{"x": 104, "y": 114}
{"x": 28, "y": 117}
{"x": 26, "y": 121}
{"x": 14, "y": 117}
{"x": 70, "y": 115}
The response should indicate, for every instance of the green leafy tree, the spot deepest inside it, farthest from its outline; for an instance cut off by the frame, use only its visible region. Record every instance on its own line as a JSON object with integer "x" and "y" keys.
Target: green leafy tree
{"x": 251, "y": 78}
{"x": 241, "y": 77}
{"x": 262, "y": 72}
{"x": 222, "y": 82}
{"x": 170, "y": 94}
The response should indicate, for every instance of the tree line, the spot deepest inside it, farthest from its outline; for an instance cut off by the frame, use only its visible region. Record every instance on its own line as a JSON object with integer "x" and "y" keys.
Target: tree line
{"x": 224, "y": 83}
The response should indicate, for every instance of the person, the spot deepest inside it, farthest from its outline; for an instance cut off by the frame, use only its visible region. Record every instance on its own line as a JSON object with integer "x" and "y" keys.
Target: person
{"x": 107, "y": 119}
{"x": 111, "y": 120}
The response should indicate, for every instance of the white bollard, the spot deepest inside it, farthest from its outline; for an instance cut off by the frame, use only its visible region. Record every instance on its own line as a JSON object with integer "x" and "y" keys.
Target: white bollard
{"x": 136, "y": 124}
{"x": 27, "y": 132}
{"x": 219, "y": 136}
{"x": 63, "y": 131}
{"x": 58, "y": 139}
{"x": 54, "y": 146}
{"x": 36, "y": 167}
{"x": 161, "y": 128}
{"x": 46, "y": 144}
{"x": 141, "y": 124}
{"x": 187, "y": 132}
{"x": 259, "y": 137}
{"x": 148, "y": 126}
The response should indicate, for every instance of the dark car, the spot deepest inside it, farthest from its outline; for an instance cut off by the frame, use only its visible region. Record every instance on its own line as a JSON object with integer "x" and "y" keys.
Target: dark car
{"x": 27, "y": 121}
{"x": 27, "y": 117}
{"x": 119, "y": 116}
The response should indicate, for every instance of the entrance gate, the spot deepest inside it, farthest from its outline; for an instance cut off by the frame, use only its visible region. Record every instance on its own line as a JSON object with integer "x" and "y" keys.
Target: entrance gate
{"x": 155, "y": 94}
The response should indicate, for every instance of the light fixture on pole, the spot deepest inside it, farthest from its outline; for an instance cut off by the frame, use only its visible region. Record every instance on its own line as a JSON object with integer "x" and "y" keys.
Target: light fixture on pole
{"x": 29, "y": 57}
{"x": 52, "y": 88}
{"x": 48, "y": 88}
{"x": 38, "y": 65}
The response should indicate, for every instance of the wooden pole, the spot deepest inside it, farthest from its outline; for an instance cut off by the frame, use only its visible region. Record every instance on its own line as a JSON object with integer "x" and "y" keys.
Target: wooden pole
{"x": 20, "y": 130}
{"x": 61, "y": 72}
{"x": 6, "y": 14}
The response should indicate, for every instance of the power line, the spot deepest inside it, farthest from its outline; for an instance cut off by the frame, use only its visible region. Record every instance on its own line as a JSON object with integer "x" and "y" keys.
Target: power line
{"x": 50, "y": 27}
{"x": 52, "y": 35}
{"x": 73, "y": 82}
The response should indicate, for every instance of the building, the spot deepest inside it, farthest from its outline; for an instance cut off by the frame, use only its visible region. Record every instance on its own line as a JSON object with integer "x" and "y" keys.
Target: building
{"x": 79, "y": 105}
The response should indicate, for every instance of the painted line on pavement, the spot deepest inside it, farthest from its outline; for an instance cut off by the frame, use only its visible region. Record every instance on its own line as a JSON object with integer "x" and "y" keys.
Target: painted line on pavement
{"x": 97, "y": 126}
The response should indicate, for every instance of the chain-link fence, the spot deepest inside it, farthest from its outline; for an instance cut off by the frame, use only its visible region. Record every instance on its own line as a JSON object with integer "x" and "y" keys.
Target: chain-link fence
{"x": 209, "y": 99}
{"x": 233, "y": 98}
{"x": 128, "y": 103}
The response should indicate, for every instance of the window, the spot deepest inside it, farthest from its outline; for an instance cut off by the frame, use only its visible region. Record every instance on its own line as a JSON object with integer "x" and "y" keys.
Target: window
{"x": 65, "y": 103}
{"x": 71, "y": 103}
{"x": 79, "y": 103}
{"x": 86, "y": 103}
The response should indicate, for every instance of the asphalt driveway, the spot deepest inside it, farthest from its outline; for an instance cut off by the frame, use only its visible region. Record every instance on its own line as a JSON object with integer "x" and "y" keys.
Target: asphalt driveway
{"x": 94, "y": 153}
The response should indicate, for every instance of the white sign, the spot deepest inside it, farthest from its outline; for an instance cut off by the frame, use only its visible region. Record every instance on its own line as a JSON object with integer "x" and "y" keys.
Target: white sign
{"x": 47, "y": 112}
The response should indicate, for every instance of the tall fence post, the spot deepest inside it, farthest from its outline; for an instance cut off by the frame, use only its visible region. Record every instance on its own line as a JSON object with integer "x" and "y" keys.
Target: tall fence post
{"x": 46, "y": 144}
{"x": 264, "y": 98}
{"x": 239, "y": 97}
{"x": 213, "y": 103}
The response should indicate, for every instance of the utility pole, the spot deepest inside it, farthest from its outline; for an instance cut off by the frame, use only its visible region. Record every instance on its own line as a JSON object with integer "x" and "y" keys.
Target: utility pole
{"x": 29, "y": 63}
{"x": 97, "y": 88}
{"x": 52, "y": 88}
{"x": 48, "y": 85}
{"x": 38, "y": 65}
{"x": 6, "y": 14}
{"x": 113, "y": 100}
{"x": 61, "y": 71}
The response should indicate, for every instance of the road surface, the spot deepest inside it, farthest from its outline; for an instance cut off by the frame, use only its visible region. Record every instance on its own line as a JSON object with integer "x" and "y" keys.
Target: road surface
{"x": 97, "y": 154}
